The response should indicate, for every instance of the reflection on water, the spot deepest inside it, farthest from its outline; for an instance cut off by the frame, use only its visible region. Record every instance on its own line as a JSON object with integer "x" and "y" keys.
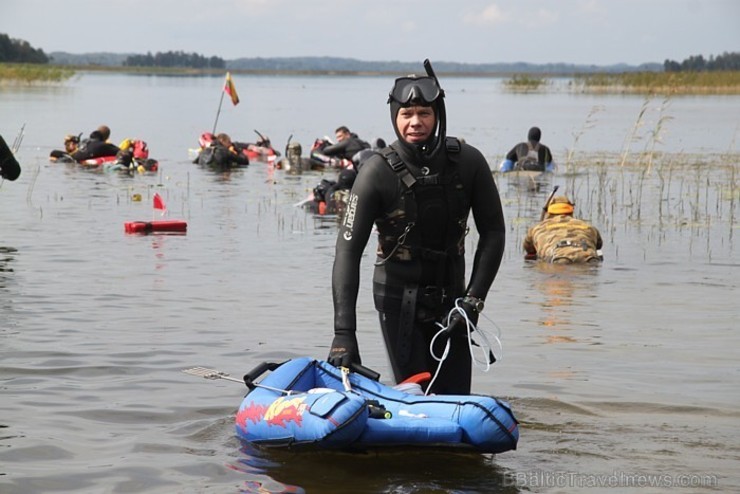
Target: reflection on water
{"x": 392, "y": 471}
{"x": 7, "y": 255}
{"x": 8, "y": 285}
{"x": 562, "y": 287}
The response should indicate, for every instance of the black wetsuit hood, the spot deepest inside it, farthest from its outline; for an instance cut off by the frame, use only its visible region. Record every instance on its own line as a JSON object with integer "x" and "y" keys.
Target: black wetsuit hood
{"x": 430, "y": 148}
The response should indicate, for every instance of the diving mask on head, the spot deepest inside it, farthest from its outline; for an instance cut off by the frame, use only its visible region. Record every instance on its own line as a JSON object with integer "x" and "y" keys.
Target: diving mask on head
{"x": 411, "y": 89}
{"x": 416, "y": 90}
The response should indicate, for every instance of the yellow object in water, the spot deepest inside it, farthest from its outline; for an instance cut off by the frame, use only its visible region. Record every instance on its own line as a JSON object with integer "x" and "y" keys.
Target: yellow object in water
{"x": 136, "y": 197}
{"x": 560, "y": 208}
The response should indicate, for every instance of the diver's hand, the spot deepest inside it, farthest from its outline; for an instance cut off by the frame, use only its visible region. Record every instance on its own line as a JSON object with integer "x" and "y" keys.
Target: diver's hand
{"x": 344, "y": 351}
{"x": 457, "y": 323}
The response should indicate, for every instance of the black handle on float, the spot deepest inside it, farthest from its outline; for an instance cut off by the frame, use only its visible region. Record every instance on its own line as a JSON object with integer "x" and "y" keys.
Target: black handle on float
{"x": 250, "y": 376}
{"x": 365, "y": 371}
{"x": 378, "y": 411}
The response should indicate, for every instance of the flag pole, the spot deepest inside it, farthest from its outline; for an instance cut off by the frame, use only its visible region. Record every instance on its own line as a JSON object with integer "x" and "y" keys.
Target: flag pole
{"x": 219, "y": 111}
{"x": 228, "y": 87}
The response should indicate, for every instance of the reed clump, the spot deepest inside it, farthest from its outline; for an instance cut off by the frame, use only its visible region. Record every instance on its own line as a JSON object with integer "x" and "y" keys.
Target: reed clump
{"x": 689, "y": 198}
{"x": 526, "y": 82}
{"x": 725, "y": 82}
{"x": 26, "y": 73}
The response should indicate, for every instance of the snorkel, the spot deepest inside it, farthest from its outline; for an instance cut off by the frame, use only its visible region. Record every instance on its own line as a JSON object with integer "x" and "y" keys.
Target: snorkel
{"x": 442, "y": 116}
{"x": 421, "y": 91}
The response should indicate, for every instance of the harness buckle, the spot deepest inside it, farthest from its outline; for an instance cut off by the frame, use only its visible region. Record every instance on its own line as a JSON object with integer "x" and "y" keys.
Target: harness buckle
{"x": 452, "y": 144}
{"x": 433, "y": 295}
{"x": 395, "y": 161}
{"x": 431, "y": 290}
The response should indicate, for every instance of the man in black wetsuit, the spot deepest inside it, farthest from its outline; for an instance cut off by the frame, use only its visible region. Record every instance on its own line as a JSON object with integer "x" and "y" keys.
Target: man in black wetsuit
{"x": 419, "y": 193}
{"x": 222, "y": 154}
{"x": 348, "y": 144}
{"x": 95, "y": 147}
{"x": 529, "y": 156}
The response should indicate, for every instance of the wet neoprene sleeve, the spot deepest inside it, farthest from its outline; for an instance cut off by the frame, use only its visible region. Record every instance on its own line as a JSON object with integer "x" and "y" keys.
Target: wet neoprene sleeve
{"x": 512, "y": 155}
{"x": 374, "y": 190}
{"x": 338, "y": 149}
{"x": 489, "y": 220}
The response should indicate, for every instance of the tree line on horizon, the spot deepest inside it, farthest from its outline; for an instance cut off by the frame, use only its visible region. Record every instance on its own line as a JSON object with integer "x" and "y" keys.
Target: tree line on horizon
{"x": 20, "y": 51}
{"x": 175, "y": 59}
{"x": 697, "y": 63}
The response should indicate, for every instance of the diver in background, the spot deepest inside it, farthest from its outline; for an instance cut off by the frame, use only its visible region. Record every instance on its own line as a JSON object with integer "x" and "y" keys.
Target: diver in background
{"x": 529, "y": 156}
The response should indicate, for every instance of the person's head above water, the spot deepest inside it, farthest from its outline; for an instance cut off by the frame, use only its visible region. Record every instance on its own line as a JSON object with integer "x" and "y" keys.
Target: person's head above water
{"x": 560, "y": 205}
{"x": 418, "y": 112}
{"x": 534, "y": 134}
{"x": 104, "y": 132}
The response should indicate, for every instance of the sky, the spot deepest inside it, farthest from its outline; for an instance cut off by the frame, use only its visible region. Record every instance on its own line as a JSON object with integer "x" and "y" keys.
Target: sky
{"x": 590, "y": 32}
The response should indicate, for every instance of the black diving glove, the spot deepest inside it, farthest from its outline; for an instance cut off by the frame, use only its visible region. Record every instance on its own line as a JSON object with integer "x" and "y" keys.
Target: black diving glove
{"x": 456, "y": 323}
{"x": 344, "y": 351}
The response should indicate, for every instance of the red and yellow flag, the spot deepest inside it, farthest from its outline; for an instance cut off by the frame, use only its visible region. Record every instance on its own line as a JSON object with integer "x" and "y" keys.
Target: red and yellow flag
{"x": 230, "y": 89}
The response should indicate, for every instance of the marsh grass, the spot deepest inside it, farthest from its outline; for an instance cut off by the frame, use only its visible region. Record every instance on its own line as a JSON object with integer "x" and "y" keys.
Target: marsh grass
{"x": 727, "y": 82}
{"x": 694, "y": 199}
{"x": 570, "y": 166}
{"x": 649, "y": 195}
{"x": 634, "y": 132}
{"x": 526, "y": 82}
{"x": 13, "y": 73}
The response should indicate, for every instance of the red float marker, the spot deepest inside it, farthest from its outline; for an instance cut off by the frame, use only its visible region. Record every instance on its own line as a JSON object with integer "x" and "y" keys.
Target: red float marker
{"x": 159, "y": 203}
{"x": 154, "y": 226}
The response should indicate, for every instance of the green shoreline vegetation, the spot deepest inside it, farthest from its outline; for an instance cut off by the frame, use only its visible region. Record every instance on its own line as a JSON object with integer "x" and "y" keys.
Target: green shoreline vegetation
{"x": 663, "y": 83}
{"x": 721, "y": 82}
{"x": 31, "y": 73}
{"x": 697, "y": 83}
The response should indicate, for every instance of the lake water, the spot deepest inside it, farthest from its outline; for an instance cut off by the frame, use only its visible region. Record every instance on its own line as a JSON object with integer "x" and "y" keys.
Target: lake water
{"x": 623, "y": 376}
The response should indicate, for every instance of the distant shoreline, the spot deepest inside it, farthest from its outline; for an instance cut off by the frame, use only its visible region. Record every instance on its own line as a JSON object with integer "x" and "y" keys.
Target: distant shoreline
{"x": 668, "y": 83}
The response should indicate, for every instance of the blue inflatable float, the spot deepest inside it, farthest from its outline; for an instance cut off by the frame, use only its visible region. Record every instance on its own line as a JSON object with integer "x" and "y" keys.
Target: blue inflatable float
{"x": 307, "y": 403}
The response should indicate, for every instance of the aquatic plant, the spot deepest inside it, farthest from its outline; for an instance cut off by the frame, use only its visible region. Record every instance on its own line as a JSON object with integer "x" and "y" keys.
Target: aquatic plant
{"x": 587, "y": 124}
{"x": 720, "y": 82}
{"x": 33, "y": 73}
{"x": 665, "y": 197}
{"x": 657, "y": 132}
{"x": 632, "y": 136}
{"x": 526, "y": 82}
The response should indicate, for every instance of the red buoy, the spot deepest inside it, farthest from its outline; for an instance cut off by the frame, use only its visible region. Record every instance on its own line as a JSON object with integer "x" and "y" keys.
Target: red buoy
{"x": 155, "y": 226}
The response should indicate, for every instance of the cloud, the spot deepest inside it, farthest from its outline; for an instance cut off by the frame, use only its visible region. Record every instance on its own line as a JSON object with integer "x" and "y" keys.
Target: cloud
{"x": 408, "y": 26}
{"x": 542, "y": 18}
{"x": 489, "y": 16}
{"x": 592, "y": 7}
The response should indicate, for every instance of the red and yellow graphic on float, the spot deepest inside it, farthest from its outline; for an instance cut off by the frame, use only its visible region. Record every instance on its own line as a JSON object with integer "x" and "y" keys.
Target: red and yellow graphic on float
{"x": 284, "y": 410}
{"x": 253, "y": 413}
